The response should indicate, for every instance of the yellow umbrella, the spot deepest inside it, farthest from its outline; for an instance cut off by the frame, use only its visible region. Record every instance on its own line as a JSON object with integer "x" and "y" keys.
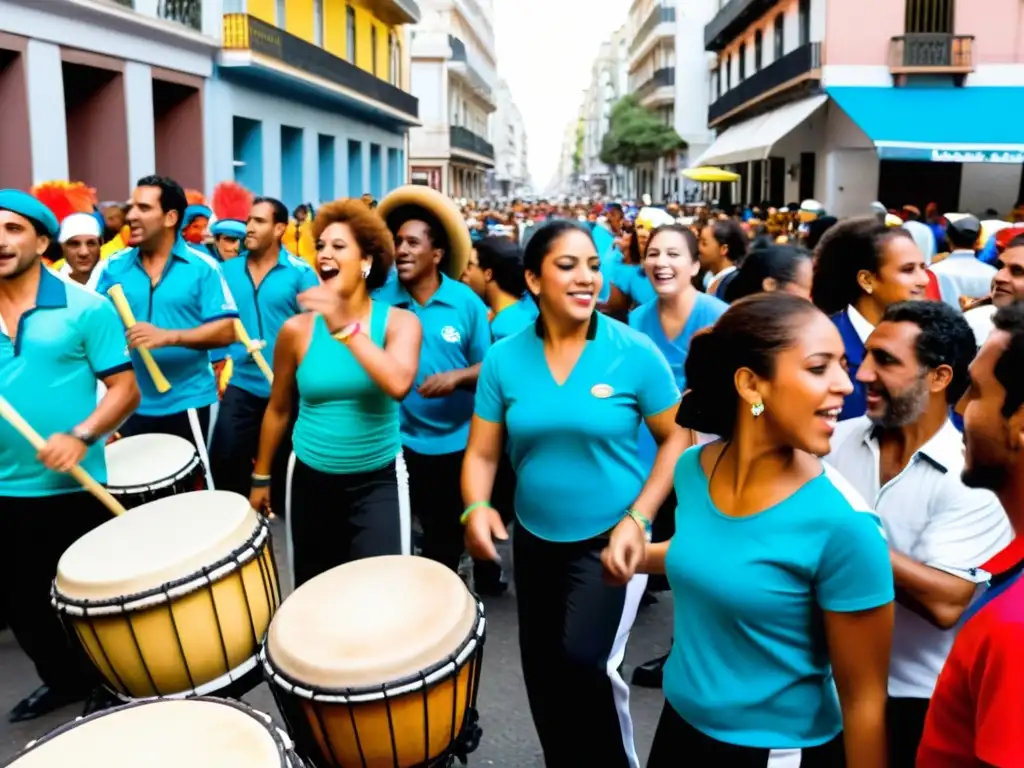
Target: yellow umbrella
{"x": 707, "y": 174}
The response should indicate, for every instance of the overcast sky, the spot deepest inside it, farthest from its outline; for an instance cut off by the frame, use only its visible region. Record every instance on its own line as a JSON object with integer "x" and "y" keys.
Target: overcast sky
{"x": 545, "y": 51}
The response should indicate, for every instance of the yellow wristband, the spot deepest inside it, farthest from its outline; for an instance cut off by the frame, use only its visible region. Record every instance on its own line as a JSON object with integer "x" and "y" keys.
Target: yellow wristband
{"x": 469, "y": 510}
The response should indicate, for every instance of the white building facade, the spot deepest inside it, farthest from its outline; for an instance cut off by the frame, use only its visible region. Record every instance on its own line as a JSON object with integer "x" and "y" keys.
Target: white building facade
{"x": 454, "y": 76}
{"x": 608, "y": 82}
{"x": 668, "y": 71}
{"x": 508, "y": 135}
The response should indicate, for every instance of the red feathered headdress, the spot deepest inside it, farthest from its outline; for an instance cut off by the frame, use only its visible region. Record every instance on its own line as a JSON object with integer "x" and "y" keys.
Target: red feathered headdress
{"x": 231, "y": 201}
{"x": 65, "y": 197}
{"x": 195, "y": 197}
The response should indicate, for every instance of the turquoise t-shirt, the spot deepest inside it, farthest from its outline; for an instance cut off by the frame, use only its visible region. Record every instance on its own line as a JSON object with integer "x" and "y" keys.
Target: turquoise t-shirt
{"x": 514, "y": 318}
{"x": 573, "y": 445}
{"x": 749, "y": 662}
{"x": 456, "y": 335}
{"x": 48, "y": 373}
{"x": 346, "y": 423}
{"x": 706, "y": 311}
{"x": 632, "y": 281}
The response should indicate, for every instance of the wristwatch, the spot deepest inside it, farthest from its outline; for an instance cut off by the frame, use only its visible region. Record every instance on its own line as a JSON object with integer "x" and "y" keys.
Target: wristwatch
{"x": 85, "y": 436}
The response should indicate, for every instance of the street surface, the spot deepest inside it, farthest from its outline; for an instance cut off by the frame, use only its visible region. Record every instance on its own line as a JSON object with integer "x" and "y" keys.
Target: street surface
{"x": 509, "y": 740}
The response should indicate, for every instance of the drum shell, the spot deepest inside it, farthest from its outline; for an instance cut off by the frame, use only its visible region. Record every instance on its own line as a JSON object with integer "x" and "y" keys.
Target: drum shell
{"x": 183, "y": 479}
{"x": 186, "y": 643}
{"x": 329, "y": 730}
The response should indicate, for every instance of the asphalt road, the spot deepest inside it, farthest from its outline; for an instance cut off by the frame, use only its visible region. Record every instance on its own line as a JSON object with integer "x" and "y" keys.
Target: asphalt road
{"x": 509, "y": 740}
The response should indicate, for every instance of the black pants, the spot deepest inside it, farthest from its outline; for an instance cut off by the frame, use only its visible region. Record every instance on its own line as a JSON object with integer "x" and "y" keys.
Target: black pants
{"x": 435, "y": 494}
{"x": 334, "y": 519}
{"x": 904, "y": 721}
{"x": 677, "y": 744}
{"x": 486, "y": 573}
{"x": 192, "y": 425}
{"x": 37, "y": 531}
{"x": 573, "y": 629}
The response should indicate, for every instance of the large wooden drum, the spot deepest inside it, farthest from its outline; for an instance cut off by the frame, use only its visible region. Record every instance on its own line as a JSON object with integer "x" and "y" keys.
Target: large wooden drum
{"x": 196, "y": 733}
{"x": 376, "y": 663}
{"x": 174, "y": 597}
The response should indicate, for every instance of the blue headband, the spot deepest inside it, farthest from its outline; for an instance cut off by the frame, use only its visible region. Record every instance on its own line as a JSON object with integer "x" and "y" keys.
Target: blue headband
{"x": 25, "y": 205}
{"x": 228, "y": 228}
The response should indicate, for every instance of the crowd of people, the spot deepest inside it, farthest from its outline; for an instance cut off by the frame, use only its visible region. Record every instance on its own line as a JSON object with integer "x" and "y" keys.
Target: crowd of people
{"x": 811, "y": 430}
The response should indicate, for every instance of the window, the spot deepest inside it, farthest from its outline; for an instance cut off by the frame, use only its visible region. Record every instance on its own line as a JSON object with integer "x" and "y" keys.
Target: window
{"x": 350, "y": 34}
{"x": 935, "y": 16}
{"x": 281, "y": 14}
{"x": 392, "y": 69}
{"x": 804, "y": 15}
{"x": 779, "y": 43}
{"x": 728, "y": 73}
{"x": 318, "y": 24}
{"x": 373, "y": 50}
{"x": 743, "y": 62}
{"x": 758, "y": 50}
{"x": 716, "y": 83}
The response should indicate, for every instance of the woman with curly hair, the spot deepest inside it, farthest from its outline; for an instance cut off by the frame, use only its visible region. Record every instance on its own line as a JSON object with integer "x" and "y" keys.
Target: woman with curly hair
{"x": 861, "y": 267}
{"x": 349, "y": 360}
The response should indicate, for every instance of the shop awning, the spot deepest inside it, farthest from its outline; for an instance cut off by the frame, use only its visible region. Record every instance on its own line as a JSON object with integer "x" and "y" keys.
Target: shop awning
{"x": 946, "y": 125}
{"x": 753, "y": 139}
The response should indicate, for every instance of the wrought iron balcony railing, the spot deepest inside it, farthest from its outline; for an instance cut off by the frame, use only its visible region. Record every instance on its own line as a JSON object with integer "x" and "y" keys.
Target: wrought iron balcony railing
{"x": 931, "y": 53}
{"x": 661, "y": 78}
{"x": 187, "y": 12}
{"x": 465, "y": 139}
{"x": 805, "y": 60}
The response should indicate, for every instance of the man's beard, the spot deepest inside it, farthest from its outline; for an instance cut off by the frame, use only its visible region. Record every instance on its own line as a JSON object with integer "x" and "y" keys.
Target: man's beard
{"x": 905, "y": 408}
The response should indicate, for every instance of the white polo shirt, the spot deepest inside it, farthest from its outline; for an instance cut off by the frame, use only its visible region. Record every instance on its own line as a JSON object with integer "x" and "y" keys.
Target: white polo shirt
{"x": 931, "y": 516}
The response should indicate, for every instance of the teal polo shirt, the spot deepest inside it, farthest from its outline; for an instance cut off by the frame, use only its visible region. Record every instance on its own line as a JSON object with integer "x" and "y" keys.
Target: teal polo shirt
{"x": 48, "y": 373}
{"x": 574, "y": 445}
{"x": 263, "y": 310}
{"x": 190, "y": 293}
{"x": 456, "y": 335}
{"x": 514, "y": 318}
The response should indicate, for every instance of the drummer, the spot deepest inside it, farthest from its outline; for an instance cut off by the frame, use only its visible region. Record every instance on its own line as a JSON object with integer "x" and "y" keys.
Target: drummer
{"x": 67, "y": 339}
{"x": 183, "y": 308}
{"x": 431, "y": 243}
{"x": 265, "y": 284}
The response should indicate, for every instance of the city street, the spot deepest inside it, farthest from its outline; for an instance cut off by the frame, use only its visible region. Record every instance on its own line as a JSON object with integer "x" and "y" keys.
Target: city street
{"x": 509, "y": 739}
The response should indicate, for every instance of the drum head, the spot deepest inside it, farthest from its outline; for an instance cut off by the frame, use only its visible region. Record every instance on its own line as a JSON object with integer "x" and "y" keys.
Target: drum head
{"x": 371, "y": 622}
{"x": 162, "y": 734}
{"x": 147, "y": 459}
{"x": 148, "y": 546}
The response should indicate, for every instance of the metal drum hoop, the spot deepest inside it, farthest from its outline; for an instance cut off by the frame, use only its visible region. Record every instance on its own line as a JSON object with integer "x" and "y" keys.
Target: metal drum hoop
{"x": 158, "y": 485}
{"x": 283, "y": 742}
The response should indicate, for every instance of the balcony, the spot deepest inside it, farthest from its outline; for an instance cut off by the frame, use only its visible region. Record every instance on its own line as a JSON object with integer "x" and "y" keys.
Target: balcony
{"x": 460, "y": 67}
{"x": 931, "y": 54}
{"x": 662, "y": 78}
{"x": 735, "y": 16}
{"x": 187, "y": 12}
{"x": 393, "y": 12}
{"x": 660, "y": 15}
{"x": 467, "y": 141}
{"x": 796, "y": 67}
{"x": 261, "y": 51}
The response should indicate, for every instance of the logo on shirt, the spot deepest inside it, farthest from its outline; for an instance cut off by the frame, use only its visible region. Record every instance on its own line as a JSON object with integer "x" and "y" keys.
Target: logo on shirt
{"x": 451, "y": 334}
{"x": 601, "y": 391}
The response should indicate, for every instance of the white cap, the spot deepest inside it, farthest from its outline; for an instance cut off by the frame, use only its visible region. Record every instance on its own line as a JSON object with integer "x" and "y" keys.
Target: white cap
{"x": 79, "y": 225}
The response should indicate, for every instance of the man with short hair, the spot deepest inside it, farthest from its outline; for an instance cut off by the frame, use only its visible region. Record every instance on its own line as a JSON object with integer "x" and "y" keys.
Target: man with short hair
{"x": 57, "y": 340}
{"x": 977, "y": 709}
{"x": 114, "y": 219}
{"x": 905, "y": 456}
{"x": 1007, "y": 287}
{"x": 265, "y": 285}
{"x": 183, "y": 308}
{"x": 80, "y": 242}
{"x": 961, "y": 273}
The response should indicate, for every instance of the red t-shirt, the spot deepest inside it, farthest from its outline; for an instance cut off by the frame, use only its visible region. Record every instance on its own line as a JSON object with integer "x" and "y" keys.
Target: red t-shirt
{"x": 976, "y": 716}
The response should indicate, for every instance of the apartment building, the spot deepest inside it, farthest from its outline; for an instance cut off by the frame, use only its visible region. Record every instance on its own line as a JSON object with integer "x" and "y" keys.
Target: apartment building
{"x": 608, "y": 81}
{"x": 454, "y": 76}
{"x": 311, "y": 99}
{"x": 508, "y": 132}
{"x": 920, "y": 105}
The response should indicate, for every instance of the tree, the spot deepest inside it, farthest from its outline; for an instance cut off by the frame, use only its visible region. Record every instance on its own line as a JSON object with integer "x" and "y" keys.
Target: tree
{"x": 636, "y": 135}
{"x": 577, "y": 155}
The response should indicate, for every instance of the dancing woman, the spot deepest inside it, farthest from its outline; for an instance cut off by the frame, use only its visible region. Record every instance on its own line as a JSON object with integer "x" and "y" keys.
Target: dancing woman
{"x": 790, "y": 580}
{"x": 349, "y": 360}
{"x": 571, "y": 394}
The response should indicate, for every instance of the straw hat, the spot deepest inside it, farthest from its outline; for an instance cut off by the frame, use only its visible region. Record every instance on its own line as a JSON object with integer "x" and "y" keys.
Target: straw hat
{"x": 412, "y": 201}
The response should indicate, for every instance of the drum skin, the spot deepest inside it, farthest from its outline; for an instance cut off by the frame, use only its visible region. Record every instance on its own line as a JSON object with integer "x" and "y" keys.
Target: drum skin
{"x": 377, "y": 625}
{"x": 144, "y": 468}
{"x": 187, "y": 642}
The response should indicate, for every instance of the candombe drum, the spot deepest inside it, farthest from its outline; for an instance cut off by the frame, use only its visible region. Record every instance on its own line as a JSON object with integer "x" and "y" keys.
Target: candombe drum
{"x": 145, "y": 468}
{"x": 174, "y": 597}
{"x": 376, "y": 664}
{"x": 164, "y": 733}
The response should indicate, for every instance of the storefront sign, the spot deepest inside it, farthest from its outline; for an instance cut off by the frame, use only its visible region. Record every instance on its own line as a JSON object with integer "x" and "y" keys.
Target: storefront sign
{"x": 998, "y": 156}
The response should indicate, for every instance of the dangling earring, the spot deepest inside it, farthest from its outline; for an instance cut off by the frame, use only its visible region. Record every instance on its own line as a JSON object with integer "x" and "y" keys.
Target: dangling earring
{"x": 757, "y": 409}
{"x": 366, "y": 272}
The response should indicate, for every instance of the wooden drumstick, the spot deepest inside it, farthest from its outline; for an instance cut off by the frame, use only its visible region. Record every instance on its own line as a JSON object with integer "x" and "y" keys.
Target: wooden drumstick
{"x": 86, "y": 480}
{"x": 256, "y": 353}
{"x": 160, "y": 381}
